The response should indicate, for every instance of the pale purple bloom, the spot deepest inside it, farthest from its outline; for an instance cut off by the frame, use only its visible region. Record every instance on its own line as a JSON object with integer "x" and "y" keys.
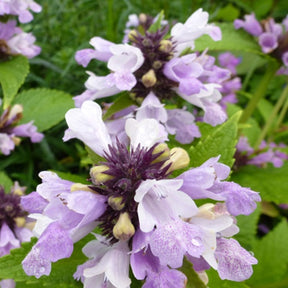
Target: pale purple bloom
{"x": 268, "y": 42}
{"x": 194, "y": 27}
{"x": 229, "y": 61}
{"x": 161, "y": 201}
{"x": 10, "y": 132}
{"x": 185, "y": 70}
{"x": 266, "y": 153}
{"x": 62, "y": 217}
{"x": 234, "y": 262}
{"x": 100, "y": 52}
{"x": 182, "y": 124}
{"x": 123, "y": 60}
{"x": 171, "y": 241}
{"x": 207, "y": 99}
{"x": 18, "y": 42}
{"x": 20, "y": 8}
{"x": 109, "y": 266}
{"x": 7, "y": 283}
{"x": 206, "y": 182}
{"x": 250, "y": 24}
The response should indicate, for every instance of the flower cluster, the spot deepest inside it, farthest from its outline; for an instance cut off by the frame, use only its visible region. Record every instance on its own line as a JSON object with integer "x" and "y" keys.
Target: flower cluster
{"x": 13, "y": 40}
{"x": 10, "y": 131}
{"x": 13, "y": 227}
{"x": 266, "y": 153}
{"x": 272, "y": 37}
{"x": 148, "y": 219}
{"x": 151, "y": 62}
{"x": 230, "y": 86}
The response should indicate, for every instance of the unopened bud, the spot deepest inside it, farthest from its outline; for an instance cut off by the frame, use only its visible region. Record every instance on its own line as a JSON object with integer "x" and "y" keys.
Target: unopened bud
{"x": 179, "y": 159}
{"x": 164, "y": 150}
{"x": 165, "y": 46}
{"x": 157, "y": 64}
{"x": 203, "y": 277}
{"x": 206, "y": 211}
{"x": 16, "y": 140}
{"x": 149, "y": 79}
{"x": 124, "y": 229}
{"x": 15, "y": 112}
{"x": 98, "y": 174}
{"x": 142, "y": 18}
{"x": 116, "y": 203}
{"x": 132, "y": 34}
{"x": 20, "y": 221}
{"x": 82, "y": 187}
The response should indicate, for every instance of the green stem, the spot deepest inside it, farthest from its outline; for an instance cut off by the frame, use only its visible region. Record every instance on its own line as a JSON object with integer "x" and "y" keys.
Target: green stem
{"x": 282, "y": 115}
{"x": 259, "y": 93}
{"x": 272, "y": 116}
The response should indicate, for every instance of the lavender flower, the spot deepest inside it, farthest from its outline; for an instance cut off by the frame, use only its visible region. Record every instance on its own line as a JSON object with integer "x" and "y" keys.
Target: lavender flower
{"x": 20, "y": 8}
{"x": 148, "y": 219}
{"x": 14, "y": 41}
{"x": 266, "y": 153}
{"x": 233, "y": 84}
{"x": 272, "y": 37}
{"x": 13, "y": 226}
{"x": 153, "y": 64}
{"x": 10, "y": 131}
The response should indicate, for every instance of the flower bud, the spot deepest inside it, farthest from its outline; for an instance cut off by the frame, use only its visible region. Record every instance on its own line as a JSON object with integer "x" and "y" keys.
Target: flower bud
{"x": 16, "y": 112}
{"x": 97, "y": 175}
{"x": 164, "y": 150}
{"x": 142, "y": 18}
{"x": 132, "y": 34}
{"x": 124, "y": 229}
{"x": 149, "y": 79}
{"x": 179, "y": 159}
{"x": 116, "y": 203}
{"x": 20, "y": 221}
{"x": 82, "y": 187}
{"x": 165, "y": 46}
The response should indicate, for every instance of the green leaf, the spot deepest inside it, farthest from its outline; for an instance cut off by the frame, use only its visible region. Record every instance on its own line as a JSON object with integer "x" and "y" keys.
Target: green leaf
{"x": 157, "y": 24}
{"x": 228, "y": 13}
{"x": 232, "y": 39}
{"x": 248, "y": 225}
{"x": 273, "y": 189}
{"x": 221, "y": 141}
{"x": 122, "y": 102}
{"x": 46, "y": 107}
{"x": 12, "y": 76}
{"x": 10, "y": 265}
{"x": 216, "y": 282}
{"x": 272, "y": 254}
{"x": 5, "y": 181}
{"x": 193, "y": 280}
{"x": 72, "y": 177}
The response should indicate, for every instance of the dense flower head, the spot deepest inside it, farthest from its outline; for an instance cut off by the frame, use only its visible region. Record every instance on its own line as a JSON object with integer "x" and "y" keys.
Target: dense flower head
{"x": 10, "y": 132}
{"x": 264, "y": 154}
{"x": 14, "y": 41}
{"x": 272, "y": 37}
{"x": 148, "y": 220}
{"x": 13, "y": 226}
{"x": 20, "y": 8}
{"x": 151, "y": 61}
